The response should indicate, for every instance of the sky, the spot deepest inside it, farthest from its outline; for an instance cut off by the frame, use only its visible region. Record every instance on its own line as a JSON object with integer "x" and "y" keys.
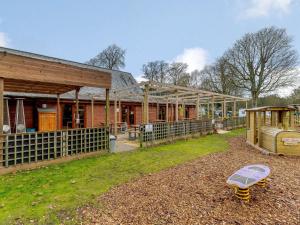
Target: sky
{"x": 192, "y": 31}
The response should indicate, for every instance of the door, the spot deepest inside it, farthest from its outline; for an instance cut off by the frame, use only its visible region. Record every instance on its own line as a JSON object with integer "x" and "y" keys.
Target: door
{"x": 67, "y": 121}
{"x": 81, "y": 113}
{"x": 128, "y": 115}
{"x": 47, "y": 121}
{"x": 131, "y": 115}
{"x": 69, "y": 116}
{"x": 162, "y": 113}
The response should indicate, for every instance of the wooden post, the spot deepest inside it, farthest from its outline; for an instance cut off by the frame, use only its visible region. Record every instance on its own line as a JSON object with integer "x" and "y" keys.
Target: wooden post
{"x": 77, "y": 121}
{"x": 246, "y": 105}
{"x": 157, "y": 110}
{"x": 253, "y": 124}
{"x": 92, "y": 106}
{"x": 172, "y": 112}
{"x": 120, "y": 111}
{"x": 258, "y": 128}
{"x": 225, "y": 108}
{"x": 292, "y": 119}
{"x": 146, "y": 105}
{"x": 208, "y": 111}
{"x": 213, "y": 107}
{"x": 167, "y": 110}
{"x": 176, "y": 109}
{"x": 200, "y": 110}
{"x": 107, "y": 112}
{"x": 183, "y": 110}
{"x": 285, "y": 120}
{"x": 197, "y": 107}
{"x": 116, "y": 115}
{"x": 58, "y": 112}
{"x": 273, "y": 118}
{"x": 234, "y": 108}
{"x": 1, "y": 117}
{"x": 222, "y": 107}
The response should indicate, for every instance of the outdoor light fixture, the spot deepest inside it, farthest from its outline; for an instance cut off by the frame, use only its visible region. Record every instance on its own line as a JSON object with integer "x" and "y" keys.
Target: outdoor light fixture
{"x": 6, "y": 118}
{"x": 20, "y": 116}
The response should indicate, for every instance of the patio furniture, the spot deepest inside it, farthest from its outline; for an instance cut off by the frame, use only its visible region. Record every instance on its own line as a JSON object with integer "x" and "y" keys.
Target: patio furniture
{"x": 134, "y": 132}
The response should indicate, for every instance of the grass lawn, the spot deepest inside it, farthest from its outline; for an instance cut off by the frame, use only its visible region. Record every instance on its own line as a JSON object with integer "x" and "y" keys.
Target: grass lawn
{"x": 40, "y": 195}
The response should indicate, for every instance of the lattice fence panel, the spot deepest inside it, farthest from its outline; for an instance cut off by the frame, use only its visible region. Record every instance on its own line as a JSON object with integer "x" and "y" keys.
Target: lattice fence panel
{"x": 38, "y": 146}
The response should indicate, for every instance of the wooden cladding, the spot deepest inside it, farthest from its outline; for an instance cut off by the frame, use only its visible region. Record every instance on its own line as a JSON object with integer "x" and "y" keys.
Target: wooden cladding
{"x": 42, "y": 74}
{"x": 36, "y": 87}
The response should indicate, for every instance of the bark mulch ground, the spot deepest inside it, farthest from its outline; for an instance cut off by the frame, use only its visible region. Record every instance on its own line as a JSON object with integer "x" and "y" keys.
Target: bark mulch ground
{"x": 196, "y": 193}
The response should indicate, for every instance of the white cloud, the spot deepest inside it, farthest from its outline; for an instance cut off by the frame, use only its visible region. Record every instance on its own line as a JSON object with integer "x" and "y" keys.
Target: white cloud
{"x": 4, "y": 41}
{"x": 262, "y": 8}
{"x": 196, "y": 58}
{"x": 140, "y": 78}
{"x": 284, "y": 92}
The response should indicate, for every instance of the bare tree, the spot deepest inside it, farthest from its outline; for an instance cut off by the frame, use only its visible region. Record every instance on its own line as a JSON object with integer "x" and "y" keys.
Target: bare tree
{"x": 163, "y": 68}
{"x": 262, "y": 62}
{"x": 156, "y": 71}
{"x": 177, "y": 74}
{"x": 218, "y": 78}
{"x": 113, "y": 57}
{"x": 295, "y": 96}
{"x": 195, "y": 79}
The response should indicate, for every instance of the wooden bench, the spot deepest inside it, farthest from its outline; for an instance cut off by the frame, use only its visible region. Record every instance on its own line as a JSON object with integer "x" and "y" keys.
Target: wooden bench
{"x": 246, "y": 177}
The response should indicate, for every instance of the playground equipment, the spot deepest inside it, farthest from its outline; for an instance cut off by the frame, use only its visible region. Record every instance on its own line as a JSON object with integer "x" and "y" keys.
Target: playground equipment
{"x": 272, "y": 130}
{"x": 246, "y": 177}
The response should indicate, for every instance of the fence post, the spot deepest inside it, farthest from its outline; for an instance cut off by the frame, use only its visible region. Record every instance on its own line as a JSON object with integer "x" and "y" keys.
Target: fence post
{"x": 141, "y": 135}
{"x": 6, "y": 151}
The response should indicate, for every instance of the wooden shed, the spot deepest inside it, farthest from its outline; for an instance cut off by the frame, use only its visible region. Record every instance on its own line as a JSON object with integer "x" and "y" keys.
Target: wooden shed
{"x": 272, "y": 129}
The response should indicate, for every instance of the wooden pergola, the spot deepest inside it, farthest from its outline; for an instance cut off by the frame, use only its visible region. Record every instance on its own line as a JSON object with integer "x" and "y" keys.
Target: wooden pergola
{"x": 150, "y": 91}
{"x": 32, "y": 73}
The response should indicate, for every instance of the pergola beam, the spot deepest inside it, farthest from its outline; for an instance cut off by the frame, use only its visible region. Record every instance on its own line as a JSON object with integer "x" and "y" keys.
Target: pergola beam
{"x": 153, "y": 92}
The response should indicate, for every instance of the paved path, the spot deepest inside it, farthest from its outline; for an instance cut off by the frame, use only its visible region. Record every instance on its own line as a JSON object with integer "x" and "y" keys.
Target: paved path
{"x": 123, "y": 144}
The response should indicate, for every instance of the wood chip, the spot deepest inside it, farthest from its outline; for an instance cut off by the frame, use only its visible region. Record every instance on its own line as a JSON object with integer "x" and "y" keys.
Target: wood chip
{"x": 196, "y": 193}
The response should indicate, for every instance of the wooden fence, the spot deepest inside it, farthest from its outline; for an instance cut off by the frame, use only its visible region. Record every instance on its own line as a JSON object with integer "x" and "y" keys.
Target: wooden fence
{"x": 233, "y": 123}
{"x": 39, "y": 146}
{"x": 166, "y": 131}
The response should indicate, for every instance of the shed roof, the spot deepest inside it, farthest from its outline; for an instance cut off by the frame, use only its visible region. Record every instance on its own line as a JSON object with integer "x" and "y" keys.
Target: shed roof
{"x": 52, "y": 59}
{"x": 33, "y": 73}
{"x": 272, "y": 108}
{"x": 120, "y": 80}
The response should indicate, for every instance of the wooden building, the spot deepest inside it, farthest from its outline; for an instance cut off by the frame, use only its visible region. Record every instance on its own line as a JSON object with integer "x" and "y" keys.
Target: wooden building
{"x": 33, "y": 85}
{"x": 52, "y": 108}
{"x": 273, "y": 129}
{"x": 44, "y": 113}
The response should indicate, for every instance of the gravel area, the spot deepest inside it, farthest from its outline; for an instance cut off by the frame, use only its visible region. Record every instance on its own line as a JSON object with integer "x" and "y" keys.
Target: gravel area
{"x": 196, "y": 193}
